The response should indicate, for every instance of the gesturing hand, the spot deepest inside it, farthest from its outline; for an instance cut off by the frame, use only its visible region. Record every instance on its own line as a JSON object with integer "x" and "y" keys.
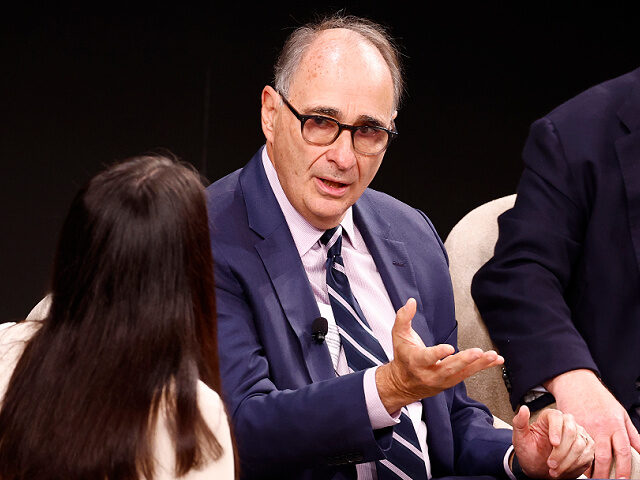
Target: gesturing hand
{"x": 580, "y": 393}
{"x": 417, "y": 371}
{"x": 554, "y": 446}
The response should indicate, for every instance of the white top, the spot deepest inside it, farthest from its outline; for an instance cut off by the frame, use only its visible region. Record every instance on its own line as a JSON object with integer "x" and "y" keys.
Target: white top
{"x": 12, "y": 342}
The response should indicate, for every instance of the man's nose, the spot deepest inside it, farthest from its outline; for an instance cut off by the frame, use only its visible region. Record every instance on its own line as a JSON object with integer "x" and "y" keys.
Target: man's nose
{"x": 341, "y": 151}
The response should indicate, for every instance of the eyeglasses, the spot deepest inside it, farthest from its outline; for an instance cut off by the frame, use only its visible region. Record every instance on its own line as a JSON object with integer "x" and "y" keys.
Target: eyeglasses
{"x": 321, "y": 130}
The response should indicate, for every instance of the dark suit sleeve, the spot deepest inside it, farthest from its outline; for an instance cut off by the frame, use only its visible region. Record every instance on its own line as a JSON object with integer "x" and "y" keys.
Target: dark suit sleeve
{"x": 521, "y": 292}
{"x": 280, "y": 431}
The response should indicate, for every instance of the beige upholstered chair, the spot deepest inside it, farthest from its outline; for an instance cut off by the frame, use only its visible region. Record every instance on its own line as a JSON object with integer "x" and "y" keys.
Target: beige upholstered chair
{"x": 470, "y": 245}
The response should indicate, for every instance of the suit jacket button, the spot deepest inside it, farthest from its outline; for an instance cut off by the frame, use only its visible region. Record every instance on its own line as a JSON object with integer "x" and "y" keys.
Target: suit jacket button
{"x": 506, "y": 379}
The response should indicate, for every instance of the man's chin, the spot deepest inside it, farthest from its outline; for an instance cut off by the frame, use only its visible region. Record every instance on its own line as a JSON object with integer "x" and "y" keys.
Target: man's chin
{"x": 327, "y": 213}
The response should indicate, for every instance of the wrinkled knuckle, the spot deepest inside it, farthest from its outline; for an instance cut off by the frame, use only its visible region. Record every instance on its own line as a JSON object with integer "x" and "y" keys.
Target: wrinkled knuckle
{"x": 448, "y": 371}
{"x": 412, "y": 364}
{"x": 617, "y": 420}
{"x": 624, "y": 451}
{"x": 556, "y": 415}
{"x": 441, "y": 377}
{"x": 428, "y": 379}
{"x": 602, "y": 457}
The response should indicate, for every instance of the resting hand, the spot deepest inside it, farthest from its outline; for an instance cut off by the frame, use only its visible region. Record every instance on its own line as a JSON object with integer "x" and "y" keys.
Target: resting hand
{"x": 553, "y": 446}
{"x": 417, "y": 371}
{"x": 580, "y": 393}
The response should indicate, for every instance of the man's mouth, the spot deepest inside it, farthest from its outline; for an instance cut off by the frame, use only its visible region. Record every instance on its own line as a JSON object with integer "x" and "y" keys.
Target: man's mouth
{"x": 333, "y": 184}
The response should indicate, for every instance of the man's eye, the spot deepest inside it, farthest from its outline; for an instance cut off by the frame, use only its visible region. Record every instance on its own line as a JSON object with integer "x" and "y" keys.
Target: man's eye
{"x": 368, "y": 131}
{"x": 321, "y": 122}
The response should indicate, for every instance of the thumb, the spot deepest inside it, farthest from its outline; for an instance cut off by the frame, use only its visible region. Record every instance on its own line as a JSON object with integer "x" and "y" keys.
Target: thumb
{"x": 521, "y": 424}
{"x": 404, "y": 315}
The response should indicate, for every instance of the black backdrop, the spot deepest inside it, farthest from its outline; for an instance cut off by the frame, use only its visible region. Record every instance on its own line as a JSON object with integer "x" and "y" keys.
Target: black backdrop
{"x": 81, "y": 88}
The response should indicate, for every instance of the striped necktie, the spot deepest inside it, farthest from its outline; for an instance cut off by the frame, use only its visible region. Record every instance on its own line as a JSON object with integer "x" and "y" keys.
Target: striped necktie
{"x": 405, "y": 459}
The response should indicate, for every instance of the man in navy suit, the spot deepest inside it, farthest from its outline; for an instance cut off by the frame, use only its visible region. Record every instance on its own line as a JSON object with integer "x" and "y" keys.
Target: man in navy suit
{"x": 299, "y": 409}
{"x": 561, "y": 296}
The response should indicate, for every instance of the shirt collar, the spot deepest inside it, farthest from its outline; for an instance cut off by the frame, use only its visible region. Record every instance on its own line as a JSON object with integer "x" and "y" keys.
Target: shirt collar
{"x": 304, "y": 234}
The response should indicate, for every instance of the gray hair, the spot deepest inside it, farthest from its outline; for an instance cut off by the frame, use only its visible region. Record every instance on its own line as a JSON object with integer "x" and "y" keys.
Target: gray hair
{"x": 298, "y": 42}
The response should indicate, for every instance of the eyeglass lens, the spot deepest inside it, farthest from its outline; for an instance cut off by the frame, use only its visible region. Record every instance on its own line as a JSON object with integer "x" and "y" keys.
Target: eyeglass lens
{"x": 323, "y": 131}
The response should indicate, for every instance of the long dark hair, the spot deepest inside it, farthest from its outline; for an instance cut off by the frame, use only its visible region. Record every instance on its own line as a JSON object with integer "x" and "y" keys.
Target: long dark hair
{"x": 131, "y": 328}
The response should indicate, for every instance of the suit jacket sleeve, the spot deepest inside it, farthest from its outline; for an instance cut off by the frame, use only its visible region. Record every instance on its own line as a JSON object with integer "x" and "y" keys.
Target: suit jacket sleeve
{"x": 521, "y": 292}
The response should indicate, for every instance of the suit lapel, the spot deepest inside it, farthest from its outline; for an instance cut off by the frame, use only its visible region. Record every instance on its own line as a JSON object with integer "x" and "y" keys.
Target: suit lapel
{"x": 392, "y": 260}
{"x": 280, "y": 258}
{"x": 628, "y": 150}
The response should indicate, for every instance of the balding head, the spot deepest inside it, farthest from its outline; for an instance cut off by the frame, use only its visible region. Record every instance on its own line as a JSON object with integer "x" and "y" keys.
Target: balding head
{"x": 341, "y": 61}
{"x": 301, "y": 39}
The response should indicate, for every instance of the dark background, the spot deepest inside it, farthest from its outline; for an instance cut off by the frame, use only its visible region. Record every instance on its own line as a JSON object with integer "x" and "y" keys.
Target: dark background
{"x": 81, "y": 88}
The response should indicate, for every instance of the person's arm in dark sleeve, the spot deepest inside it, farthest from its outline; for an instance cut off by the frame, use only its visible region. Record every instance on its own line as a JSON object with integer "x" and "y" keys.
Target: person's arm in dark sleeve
{"x": 520, "y": 291}
{"x": 521, "y": 296}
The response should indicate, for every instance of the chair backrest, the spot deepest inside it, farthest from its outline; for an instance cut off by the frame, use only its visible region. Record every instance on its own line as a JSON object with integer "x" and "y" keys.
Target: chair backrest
{"x": 470, "y": 245}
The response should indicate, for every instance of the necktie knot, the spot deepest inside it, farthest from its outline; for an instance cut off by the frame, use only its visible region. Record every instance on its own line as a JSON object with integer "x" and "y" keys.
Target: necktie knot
{"x": 332, "y": 238}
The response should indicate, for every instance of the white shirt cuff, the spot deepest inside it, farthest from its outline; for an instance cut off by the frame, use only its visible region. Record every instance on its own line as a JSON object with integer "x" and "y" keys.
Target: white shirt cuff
{"x": 378, "y": 415}
{"x": 505, "y": 463}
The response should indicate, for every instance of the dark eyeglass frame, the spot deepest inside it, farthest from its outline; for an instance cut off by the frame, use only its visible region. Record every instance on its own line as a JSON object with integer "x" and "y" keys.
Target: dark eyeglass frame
{"x": 391, "y": 134}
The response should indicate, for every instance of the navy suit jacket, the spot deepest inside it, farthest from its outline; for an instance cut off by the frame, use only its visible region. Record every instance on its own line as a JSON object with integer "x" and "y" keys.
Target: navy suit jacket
{"x": 563, "y": 289}
{"x": 292, "y": 417}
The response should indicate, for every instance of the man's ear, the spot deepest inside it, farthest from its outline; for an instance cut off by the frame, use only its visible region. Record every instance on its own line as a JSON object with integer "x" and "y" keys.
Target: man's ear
{"x": 270, "y": 103}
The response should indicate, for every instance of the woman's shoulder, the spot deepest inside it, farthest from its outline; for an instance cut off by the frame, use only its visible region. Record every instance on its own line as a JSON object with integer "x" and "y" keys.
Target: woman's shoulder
{"x": 14, "y": 336}
{"x": 211, "y": 407}
{"x": 213, "y": 412}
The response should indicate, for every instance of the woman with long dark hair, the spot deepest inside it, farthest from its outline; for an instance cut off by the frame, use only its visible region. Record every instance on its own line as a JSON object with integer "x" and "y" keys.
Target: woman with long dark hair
{"x": 119, "y": 380}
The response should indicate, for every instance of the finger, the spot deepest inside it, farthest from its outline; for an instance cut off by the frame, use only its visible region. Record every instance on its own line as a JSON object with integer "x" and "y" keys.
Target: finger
{"x": 556, "y": 421}
{"x": 467, "y": 357}
{"x": 563, "y": 453}
{"x": 462, "y": 359}
{"x": 589, "y": 471}
{"x": 588, "y": 457}
{"x": 622, "y": 453}
{"x": 574, "y": 457}
{"x": 602, "y": 464}
{"x": 456, "y": 368}
{"x": 404, "y": 315}
{"x": 583, "y": 465}
{"x": 634, "y": 438}
{"x": 487, "y": 360}
{"x": 521, "y": 425}
{"x": 433, "y": 355}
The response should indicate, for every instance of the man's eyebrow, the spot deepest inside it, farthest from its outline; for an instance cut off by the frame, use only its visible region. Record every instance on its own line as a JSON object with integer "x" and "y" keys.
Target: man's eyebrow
{"x": 328, "y": 111}
{"x": 335, "y": 113}
{"x": 371, "y": 121}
